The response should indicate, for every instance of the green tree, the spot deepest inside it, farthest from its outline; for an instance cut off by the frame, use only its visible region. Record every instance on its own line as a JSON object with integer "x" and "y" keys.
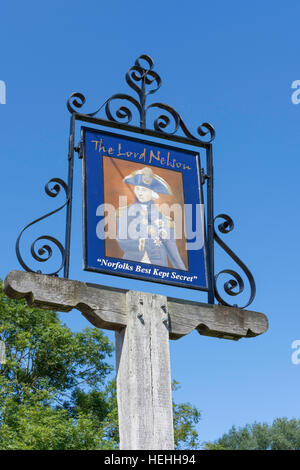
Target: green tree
{"x": 186, "y": 417}
{"x": 56, "y": 387}
{"x": 46, "y": 364}
{"x": 283, "y": 434}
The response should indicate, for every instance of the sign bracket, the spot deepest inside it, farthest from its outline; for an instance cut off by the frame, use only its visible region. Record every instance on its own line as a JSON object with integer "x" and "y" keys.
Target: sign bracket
{"x": 169, "y": 125}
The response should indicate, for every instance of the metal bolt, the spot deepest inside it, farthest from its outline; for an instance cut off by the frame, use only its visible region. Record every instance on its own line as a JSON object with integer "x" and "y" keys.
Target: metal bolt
{"x": 140, "y": 315}
{"x": 165, "y": 315}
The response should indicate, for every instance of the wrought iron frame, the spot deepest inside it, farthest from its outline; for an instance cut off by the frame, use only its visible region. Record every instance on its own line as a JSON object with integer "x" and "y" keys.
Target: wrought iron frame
{"x": 149, "y": 82}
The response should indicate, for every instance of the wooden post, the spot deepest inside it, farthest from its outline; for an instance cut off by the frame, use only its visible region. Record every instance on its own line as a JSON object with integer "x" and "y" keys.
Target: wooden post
{"x": 143, "y": 323}
{"x": 144, "y": 375}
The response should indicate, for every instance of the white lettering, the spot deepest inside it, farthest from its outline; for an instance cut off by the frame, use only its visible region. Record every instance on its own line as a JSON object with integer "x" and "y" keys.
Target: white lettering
{"x": 106, "y": 227}
{"x": 295, "y": 95}
{"x": 296, "y": 354}
{"x": 194, "y": 213}
{"x": 2, "y": 92}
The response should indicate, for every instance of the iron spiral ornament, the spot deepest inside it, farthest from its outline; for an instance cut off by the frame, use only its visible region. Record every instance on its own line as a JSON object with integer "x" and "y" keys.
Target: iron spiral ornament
{"x": 75, "y": 102}
{"x": 235, "y": 285}
{"x": 44, "y": 252}
{"x": 158, "y": 120}
{"x": 142, "y": 78}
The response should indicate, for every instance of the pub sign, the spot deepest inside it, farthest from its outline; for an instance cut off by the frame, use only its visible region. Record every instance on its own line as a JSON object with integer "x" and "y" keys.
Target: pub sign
{"x": 143, "y": 210}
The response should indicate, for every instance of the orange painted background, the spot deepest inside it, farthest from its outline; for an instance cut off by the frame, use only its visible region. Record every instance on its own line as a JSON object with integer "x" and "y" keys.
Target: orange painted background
{"x": 114, "y": 171}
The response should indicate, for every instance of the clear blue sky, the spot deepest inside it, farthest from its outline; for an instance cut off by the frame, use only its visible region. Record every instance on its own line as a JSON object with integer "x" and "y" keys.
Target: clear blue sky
{"x": 228, "y": 63}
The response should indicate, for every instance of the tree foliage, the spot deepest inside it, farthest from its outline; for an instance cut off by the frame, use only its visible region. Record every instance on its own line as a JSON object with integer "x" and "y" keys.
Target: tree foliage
{"x": 283, "y": 434}
{"x": 47, "y": 366}
{"x": 56, "y": 386}
{"x": 186, "y": 417}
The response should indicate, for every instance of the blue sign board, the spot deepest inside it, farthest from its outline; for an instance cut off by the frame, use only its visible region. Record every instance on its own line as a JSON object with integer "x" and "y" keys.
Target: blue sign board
{"x": 143, "y": 210}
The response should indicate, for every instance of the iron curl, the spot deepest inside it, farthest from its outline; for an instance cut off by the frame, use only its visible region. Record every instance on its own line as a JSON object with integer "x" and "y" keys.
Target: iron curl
{"x": 123, "y": 112}
{"x": 75, "y": 99}
{"x": 145, "y": 76}
{"x": 52, "y": 188}
{"x": 163, "y": 121}
{"x": 236, "y": 281}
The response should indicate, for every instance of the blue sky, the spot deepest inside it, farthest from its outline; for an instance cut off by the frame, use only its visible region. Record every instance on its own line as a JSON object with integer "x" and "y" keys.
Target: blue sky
{"x": 227, "y": 63}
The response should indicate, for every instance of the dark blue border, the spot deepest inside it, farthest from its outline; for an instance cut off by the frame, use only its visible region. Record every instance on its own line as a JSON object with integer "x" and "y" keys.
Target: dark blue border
{"x": 93, "y": 195}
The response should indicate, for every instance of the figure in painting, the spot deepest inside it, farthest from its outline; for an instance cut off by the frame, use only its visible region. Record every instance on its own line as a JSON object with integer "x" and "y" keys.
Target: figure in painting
{"x": 143, "y": 232}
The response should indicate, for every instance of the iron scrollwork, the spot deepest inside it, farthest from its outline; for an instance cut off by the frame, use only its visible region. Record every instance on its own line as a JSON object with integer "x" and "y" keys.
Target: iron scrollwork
{"x": 141, "y": 78}
{"x": 144, "y": 81}
{"x": 236, "y": 280}
{"x": 45, "y": 252}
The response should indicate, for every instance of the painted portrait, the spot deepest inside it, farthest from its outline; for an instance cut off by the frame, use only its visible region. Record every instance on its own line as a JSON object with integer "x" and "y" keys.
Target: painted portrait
{"x": 146, "y": 230}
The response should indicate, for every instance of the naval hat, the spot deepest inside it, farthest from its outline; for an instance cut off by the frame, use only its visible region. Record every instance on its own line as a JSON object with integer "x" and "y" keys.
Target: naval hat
{"x": 145, "y": 177}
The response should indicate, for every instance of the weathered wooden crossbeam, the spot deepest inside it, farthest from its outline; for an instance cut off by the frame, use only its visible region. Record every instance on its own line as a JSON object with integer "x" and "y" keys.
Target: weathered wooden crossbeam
{"x": 143, "y": 323}
{"x": 105, "y": 307}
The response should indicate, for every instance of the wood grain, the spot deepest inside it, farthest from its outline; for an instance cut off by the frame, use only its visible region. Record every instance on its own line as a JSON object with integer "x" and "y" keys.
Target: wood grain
{"x": 105, "y": 307}
{"x": 144, "y": 376}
